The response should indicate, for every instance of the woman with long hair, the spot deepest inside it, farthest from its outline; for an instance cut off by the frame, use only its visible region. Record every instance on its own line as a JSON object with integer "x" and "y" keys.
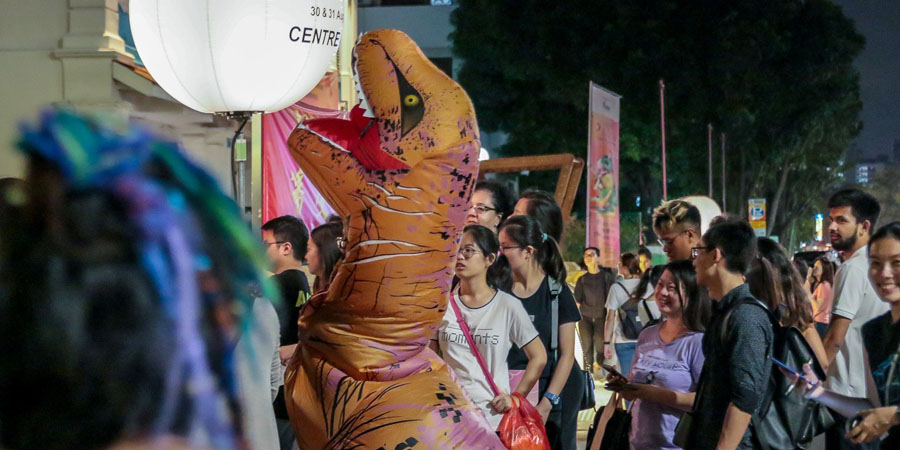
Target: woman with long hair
{"x": 821, "y": 280}
{"x": 539, "y": 280}
{"x": 878, "y": 414}
{"x": 496, "y": 317}
{"x": 324, "y": 252}
{"x": 668, "y": 360}
{"x": 782, "y": 291}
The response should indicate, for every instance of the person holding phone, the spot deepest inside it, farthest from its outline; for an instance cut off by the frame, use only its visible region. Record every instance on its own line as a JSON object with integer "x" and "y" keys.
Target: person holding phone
{"x": 668, "y": 360}
{"x": 877, "y": 415}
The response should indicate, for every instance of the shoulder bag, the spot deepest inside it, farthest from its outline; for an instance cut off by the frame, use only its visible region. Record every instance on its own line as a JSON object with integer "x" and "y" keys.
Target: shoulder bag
{"x": 522, "y": 427}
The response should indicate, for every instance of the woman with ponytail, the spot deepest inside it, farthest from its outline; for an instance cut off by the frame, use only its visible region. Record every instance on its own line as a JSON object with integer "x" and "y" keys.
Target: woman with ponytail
{"x": 776, "y": 281}
{"x": 538, "y": 279}
{"x": 496, "y": 321}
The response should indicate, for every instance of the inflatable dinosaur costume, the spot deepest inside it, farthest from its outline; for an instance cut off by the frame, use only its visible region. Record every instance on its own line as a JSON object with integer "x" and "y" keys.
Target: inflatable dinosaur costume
{"x": 400, "y": 173}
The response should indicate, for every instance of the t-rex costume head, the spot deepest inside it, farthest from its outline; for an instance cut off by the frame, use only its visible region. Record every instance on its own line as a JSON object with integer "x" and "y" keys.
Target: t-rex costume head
{"x": 400, "y": 173}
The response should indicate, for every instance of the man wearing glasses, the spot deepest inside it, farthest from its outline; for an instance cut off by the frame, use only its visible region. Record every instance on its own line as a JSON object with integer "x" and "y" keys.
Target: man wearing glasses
{"x": 285, "y": 239}
{"x": 737, "y": 343}
{"x": 677, "y": 224}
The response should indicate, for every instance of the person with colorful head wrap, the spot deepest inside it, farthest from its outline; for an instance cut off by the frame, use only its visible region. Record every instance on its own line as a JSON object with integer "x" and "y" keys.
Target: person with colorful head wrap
{"x": 125, "y": 283}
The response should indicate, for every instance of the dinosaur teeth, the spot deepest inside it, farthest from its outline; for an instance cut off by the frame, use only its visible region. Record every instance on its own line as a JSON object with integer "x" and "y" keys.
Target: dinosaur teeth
{"x": 363, "y": 101}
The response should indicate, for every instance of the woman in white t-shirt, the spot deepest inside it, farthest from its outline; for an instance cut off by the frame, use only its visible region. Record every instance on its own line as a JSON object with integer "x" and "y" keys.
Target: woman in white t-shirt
{"x": 496, "y": 320}
{"x": 619, "y": 293}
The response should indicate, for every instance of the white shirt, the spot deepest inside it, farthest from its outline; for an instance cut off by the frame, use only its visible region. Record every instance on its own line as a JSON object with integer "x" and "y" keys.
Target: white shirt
{"x": 494, "y": 327}
{"x": 259, "y": 373}
{"x": 854, "y": 299}
{"x": 616, "y": 298}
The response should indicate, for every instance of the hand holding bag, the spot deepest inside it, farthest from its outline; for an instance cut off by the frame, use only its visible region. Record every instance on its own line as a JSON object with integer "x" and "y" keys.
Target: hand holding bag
{"x": 522, "y": 427}
{"x": 612, "y": 425}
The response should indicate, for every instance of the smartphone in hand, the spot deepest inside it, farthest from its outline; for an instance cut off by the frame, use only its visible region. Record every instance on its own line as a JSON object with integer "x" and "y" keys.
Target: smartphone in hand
{"x": 612, "y": 370}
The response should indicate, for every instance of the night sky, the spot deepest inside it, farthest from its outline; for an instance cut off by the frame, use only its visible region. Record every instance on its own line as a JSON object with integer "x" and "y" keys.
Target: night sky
{"x": 879, "y": 68}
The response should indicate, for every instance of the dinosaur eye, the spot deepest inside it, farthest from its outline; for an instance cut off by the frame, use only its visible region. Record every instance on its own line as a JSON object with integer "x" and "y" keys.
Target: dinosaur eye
{"x": 411, "y": 100}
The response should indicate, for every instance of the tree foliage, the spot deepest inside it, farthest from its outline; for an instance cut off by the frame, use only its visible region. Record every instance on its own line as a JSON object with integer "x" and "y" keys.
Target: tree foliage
{"x": 775, "y": 75}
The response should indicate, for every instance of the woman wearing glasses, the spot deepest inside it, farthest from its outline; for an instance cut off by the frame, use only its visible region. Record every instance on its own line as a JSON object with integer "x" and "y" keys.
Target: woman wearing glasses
{"x": 538, "y": 272}
{"x": 491, "y": 203}
{"x": 496, "y": 320}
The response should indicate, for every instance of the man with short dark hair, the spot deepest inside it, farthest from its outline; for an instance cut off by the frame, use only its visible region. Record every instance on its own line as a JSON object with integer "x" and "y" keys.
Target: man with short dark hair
{"x": 677, "y": 225}
{"x": 852, "y": 217}
{"x": 591, "y": 290}
{"x": 285, "y": 239}
{"x": 737, "y": 343}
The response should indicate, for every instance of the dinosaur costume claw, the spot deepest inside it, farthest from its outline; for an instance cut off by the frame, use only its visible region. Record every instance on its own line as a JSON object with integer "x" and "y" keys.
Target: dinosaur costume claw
{"x": 399, "y": 172}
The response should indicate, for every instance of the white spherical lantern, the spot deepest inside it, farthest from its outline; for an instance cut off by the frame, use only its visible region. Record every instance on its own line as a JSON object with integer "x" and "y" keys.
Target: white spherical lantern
{"x": 237, "y": 55}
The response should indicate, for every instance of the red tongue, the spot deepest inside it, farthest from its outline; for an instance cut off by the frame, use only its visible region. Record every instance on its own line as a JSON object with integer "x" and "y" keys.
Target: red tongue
{"x": 360, "y": 136}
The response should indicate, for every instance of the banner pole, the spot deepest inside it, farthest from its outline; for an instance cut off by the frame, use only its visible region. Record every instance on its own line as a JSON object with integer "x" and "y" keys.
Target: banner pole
{"x": 662, "y": 126}
{"x": 709, "y": 129}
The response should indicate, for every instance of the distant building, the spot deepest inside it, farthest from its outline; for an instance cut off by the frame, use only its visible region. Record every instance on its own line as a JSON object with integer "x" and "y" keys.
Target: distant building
{"x": 865, "y": 170}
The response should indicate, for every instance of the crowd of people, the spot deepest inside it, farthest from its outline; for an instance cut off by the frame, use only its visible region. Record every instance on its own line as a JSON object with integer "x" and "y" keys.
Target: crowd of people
{"x": 132, "y": 262}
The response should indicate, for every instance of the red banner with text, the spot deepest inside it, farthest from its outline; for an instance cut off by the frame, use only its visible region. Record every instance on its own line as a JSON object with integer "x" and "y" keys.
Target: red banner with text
{"x": 285, "y": 189}
{"x": 603, "y": 175}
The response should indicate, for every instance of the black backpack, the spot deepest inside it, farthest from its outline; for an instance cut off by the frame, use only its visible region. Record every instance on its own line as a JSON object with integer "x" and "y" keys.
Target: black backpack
{"x": 629, "y": 318}
{"x": 786, "y": 419}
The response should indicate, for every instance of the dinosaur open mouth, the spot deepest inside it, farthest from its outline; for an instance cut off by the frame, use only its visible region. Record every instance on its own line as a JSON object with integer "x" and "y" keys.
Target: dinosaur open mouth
{"x": 359, "y": 135}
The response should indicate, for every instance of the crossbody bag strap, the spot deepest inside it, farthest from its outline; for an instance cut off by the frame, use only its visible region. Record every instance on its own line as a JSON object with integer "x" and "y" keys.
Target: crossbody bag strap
{"x": 465, "y": 329}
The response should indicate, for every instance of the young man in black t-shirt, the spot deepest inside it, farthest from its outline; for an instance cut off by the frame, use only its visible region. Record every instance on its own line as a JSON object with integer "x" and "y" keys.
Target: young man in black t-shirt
{"x": 285, "y": 239}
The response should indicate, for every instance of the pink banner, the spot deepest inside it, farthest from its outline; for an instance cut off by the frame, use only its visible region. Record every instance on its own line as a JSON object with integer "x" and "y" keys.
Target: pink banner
{"x": 285, "y": 189}
{"x": 603, "y": 175}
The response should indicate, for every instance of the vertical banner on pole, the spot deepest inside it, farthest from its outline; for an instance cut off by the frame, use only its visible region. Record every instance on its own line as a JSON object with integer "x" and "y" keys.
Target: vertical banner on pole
{"x": 820, "y": 227}
{"x": 603, "y": 175}
{"x": 756, "y": 208}
{"x": 285, "y": 189}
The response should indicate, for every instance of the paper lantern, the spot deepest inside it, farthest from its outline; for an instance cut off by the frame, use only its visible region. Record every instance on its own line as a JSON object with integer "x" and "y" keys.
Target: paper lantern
{"x": 237, "y": 55}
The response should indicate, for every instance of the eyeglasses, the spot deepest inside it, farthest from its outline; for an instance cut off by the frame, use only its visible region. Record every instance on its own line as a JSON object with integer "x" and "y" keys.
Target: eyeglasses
{"x": 695, "y": 251}
{"x": 273, "y": 243}
{"x": 481, "y": 209}
{"x": 512, "y": 247}
{"x": 669, "y": 241}
{"x": 468, "y": 252}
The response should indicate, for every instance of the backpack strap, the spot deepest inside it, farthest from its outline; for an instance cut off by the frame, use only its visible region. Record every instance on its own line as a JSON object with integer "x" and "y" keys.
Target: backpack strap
{"x": 555, "y": 289}
{"x": 647, "y": 310}
{"x": 747, "y": 301}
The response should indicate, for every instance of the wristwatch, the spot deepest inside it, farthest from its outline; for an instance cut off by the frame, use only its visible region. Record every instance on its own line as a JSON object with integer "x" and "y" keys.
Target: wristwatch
{"x": 554, "y": 399}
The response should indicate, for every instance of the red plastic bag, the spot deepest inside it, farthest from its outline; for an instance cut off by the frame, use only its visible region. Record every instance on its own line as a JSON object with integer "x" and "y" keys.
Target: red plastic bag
{"x": 522, "y": 427}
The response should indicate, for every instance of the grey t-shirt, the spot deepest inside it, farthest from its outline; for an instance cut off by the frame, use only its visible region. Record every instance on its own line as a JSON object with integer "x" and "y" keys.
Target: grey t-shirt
{"x": 675, "y": 366}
